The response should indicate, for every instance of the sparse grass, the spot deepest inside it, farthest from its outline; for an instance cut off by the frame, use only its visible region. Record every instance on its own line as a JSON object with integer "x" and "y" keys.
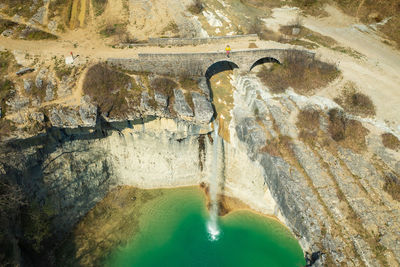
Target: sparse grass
{"x": 189, "y": 83}
{"x": 112, "y": 29}
{"x": 306, "y": 44}
{"x": 355, "y": 102}
{"x": 390, "y": 141}
{"x": 347, "y": 132}
{"x": 305, "y": 33}
{"x": 308, "y": 124}
{"x": 164, "y": 85}
{"x": 348, "y": 51}
{"x": 392, "y": 186}
{"x": 173, "y": 28}
{"x": 35, "y": 34}
{"x": 99, "y": 6}
{"x": 299, "y": 71}
{"x": 197, "y": 7}
{"x": 61, "y": 69}
{"x": 108, "y": 88}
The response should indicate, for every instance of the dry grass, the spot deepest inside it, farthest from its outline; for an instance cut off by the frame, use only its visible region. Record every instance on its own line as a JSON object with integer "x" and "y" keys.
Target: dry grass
{"x": 392, "y": 186}
{"x": 348, "y": 133}
{"x": 164, "y": 85}
{"x": 278, "y": 147}
{"x": 355, "y": 102}
{"x": 390, "y": 141}
{"x": 299, "y": 71}
{"x": 108, "y": 88}
{"x": 99, "y": 6}
{"x": 197, "y": 7}
{"x": 308, "y": 124}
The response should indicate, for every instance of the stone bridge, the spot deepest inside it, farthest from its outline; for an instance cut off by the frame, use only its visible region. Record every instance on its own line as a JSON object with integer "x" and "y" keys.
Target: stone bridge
{"x": 202, "y": 64}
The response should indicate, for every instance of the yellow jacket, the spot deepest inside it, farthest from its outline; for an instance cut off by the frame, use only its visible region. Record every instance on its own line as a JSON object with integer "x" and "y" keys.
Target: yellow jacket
{"x": 227, "y": 48}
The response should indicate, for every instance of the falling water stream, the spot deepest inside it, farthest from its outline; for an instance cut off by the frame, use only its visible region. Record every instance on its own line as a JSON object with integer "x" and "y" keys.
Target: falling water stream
{"x": 212, "y": 224}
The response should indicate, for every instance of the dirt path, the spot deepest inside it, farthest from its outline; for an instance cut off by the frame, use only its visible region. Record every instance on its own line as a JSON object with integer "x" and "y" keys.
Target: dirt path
{"x": 377, "y": 75}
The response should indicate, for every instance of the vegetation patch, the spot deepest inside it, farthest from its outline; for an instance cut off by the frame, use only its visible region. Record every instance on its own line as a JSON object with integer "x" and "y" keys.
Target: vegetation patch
{"x": 109, "y": 89}
{"x": 25, "y": 8}
{"x": 390, "y": 141}
{"x": 164, "y": 85}
{"x": 99, "y": 6}
{"x": 197, "y": 7}
{"x": 171, "y": 28}
{"x": 392, "y": 186}
{"x": 308, "y": 124}
{"x": 355, "y": 102}
{"x": 35, "y": 34}
{"x": 300, "y": 71}
{"x": 6, "y": 24}
{"x": 347, "y": 132}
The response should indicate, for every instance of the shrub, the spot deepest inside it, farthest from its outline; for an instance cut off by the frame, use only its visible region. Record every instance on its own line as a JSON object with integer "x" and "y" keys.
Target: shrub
{"x": 390, "y": 141}
{"x": 299, "y": 70}
{"x": 392, "y": 186}
{"x": 197, "y": 7}
{"x": 108, "y": 88}
{"x": 355, "y": 102}
{"x": 308, "y": 124}
{"x": 349, "y": 133}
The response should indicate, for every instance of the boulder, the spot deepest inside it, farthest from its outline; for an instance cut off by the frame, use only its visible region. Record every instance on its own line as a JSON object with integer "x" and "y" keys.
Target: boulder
{"x": 181, "y": 107}
{"x": 88, "y": 112}
{"x": 7, "y": 32}
{"x": 203, "y": 109}
{"x": 49, "y": 91}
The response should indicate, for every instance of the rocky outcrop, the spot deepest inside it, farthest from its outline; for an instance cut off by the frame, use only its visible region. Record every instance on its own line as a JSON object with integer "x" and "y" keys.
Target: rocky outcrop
{"x": 331, "y": 197}
{"x": 181, "y": 107}
{"x": 202, "y": 108}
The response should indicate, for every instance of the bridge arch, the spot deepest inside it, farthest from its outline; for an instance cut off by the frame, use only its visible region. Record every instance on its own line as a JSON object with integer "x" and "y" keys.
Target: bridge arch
{"x": 264, "y": 60}
{"x": 218, "y": 67}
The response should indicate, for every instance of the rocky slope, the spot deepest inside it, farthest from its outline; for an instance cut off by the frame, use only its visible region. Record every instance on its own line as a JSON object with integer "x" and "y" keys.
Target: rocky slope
{"x": 332, "y": 196}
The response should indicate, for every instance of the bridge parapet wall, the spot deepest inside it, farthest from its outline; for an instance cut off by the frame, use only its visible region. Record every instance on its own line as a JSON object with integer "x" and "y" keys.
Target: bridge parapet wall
{"x": 196, "y": 64}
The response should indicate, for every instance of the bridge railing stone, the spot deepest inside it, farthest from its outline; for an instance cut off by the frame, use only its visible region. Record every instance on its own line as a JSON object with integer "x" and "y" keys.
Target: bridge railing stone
{"x": 190, "y": 41}
{"x": 196, "y": 64}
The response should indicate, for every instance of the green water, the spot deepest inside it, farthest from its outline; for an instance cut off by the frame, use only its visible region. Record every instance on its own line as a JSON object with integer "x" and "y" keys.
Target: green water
{"x": 173, "y": 232}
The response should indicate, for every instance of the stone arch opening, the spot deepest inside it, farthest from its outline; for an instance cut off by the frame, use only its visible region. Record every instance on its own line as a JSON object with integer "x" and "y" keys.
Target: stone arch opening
{"x": 220, "y": 66}
{"x": 264, "y": 60}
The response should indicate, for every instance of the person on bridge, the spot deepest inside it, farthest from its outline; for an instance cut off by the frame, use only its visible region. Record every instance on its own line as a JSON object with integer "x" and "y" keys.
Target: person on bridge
{"x": 227, "y": 50}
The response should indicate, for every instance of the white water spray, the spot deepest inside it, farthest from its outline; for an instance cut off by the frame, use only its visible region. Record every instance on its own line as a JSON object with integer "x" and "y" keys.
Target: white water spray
{"x": 212, "y": 225}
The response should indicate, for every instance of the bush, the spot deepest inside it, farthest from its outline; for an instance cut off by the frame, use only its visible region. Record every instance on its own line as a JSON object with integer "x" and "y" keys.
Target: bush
{"x": 197, "y": 7}
{"x": 390, "y": 141}
{"x": 300, "y": 71}
{"x": 308, "y": 124}
{"x": 392, "y": 186}
{"x": 349, "y": 133}
{"x": 355, "y": 102}
{"x": 108, "y": 88}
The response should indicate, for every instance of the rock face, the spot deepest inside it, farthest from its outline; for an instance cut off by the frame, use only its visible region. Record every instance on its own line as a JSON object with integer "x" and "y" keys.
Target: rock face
{"x": 331, "y": 197}
{"x": 181, "y": 107}
{"x": 203, "y": 109}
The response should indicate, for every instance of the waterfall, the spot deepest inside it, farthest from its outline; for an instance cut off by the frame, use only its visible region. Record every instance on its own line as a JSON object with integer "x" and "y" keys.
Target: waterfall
{"x": 212, "y": 225}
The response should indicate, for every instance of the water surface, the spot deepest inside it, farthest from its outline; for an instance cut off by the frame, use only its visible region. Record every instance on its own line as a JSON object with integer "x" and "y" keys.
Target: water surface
{"x": 173, "y": 232}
